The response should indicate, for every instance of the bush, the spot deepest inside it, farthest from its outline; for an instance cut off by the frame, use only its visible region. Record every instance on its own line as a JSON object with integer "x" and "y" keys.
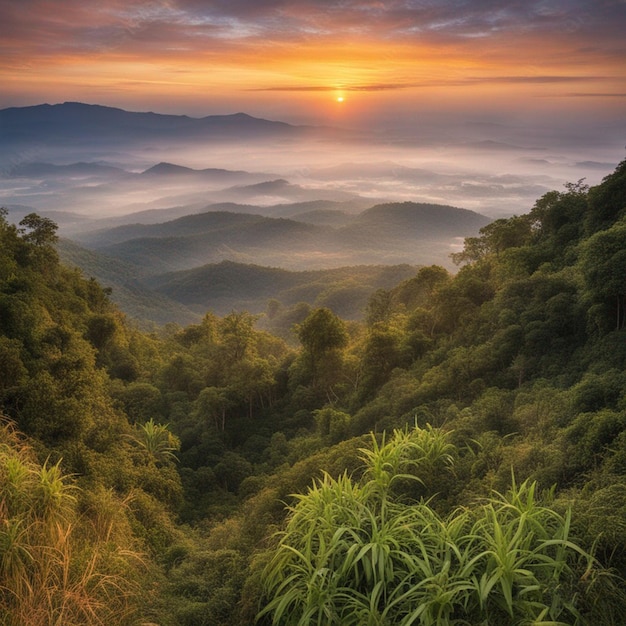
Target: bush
{"x": 355, "y": 553}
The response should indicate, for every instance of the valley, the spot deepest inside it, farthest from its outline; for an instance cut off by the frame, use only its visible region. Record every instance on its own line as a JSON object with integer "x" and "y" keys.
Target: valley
{"x": 299, "y": 199}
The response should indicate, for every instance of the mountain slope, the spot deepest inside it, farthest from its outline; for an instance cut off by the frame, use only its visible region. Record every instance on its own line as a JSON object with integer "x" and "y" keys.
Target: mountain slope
{"x": 244, "y": 238}
{"x": 77, "y": 170}
{"x": 225, "y": 286}
{"x": 391, "y": 234}
{"x": 171, "y": 171}
{"x": 193, "y": 224}
{"x": 85, "y": 124}
{"x": 419, "y": 219}
{"x": 136, "y": 300}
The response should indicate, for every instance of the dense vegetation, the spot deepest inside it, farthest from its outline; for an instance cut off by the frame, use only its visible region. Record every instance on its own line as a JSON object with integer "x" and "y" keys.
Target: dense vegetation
{"x": 460, "y": 456}
{"x": 389, "y": 234}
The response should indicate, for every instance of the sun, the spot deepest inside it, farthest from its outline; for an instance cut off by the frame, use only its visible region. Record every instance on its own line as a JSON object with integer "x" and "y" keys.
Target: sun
{"x": 340, "y": 99}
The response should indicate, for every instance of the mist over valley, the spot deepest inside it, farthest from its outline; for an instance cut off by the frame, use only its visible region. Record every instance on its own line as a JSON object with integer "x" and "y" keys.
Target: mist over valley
{"x": 99, "y": 161}
{"x": 152, "y": 195}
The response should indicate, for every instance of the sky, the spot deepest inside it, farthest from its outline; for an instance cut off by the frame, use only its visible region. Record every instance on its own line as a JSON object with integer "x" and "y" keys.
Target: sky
{"x": 349, "y": 62}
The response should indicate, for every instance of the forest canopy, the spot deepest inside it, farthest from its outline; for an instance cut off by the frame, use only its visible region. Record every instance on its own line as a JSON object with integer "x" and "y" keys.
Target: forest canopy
{"x": 457, "y": 457}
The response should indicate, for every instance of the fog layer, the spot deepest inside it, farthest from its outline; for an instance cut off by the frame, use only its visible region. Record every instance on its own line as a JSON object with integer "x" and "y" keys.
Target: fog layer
{"x": 101, "y": 163}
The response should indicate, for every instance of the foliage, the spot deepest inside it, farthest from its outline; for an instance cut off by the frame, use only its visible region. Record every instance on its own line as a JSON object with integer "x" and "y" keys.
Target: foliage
{"x": 604, "y": 267}
{"x": 56, "y": 565}
{"x": 323, "y": 335}
{"x": 353, "y": 553}
{"x": 517, "y": 361}
{"x": 158, "y": 441}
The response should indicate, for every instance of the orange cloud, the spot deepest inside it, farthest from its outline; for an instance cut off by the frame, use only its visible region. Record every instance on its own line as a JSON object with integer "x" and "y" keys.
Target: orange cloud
{"x": 230, "y": 50}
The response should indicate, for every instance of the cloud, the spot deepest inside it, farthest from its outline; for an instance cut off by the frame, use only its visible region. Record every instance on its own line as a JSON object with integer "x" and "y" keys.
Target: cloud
{"x": 465, "y": 82}
{"x": 595, "y": 95}
{"x": 101, "y": 24}
{"x": 537, "y": 79}
{"x": 322, "y": 88}
{"x": 311, "y": 45}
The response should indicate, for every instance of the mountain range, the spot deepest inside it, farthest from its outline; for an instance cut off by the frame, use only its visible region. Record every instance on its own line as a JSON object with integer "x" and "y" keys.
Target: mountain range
{"x": 91, "y": 124}
{"x": 174, "y": 238}
{"x": 392, "y": 233}
{"x": 223, "y": 260}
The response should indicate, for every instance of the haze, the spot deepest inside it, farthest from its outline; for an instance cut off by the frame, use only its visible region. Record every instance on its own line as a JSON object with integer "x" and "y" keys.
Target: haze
{"x": 482, "y": 105}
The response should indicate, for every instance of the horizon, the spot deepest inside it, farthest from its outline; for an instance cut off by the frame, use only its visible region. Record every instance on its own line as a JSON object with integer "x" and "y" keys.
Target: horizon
{"x": 495, "y": 170}
{"x": 494, "y": 103}
{"x": 393, "y": 64}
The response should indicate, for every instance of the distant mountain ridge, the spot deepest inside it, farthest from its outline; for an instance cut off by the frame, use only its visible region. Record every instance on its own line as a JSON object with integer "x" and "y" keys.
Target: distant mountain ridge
{"x": 92, "y": 123}
{"x": 171, "y": 169}
{"x": 78, "y": 169}
{"x": 418, "y": 218}
{"x": 183, "y": 297}
{"x": 107, "y": 163}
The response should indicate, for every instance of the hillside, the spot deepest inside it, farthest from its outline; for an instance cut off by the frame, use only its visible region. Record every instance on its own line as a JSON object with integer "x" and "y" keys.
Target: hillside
{"x": 73, "y": 171}
{"x": 145, "y": 306}
{"x": 195, "y": 224}
{"x": 459, "y": 456}
{"x": 227, "y": 286}
{"x": 171, "y": 170}
{"x": 390, "y": 234}
{"x": 419, "y": 220}
{"x": 183, "y": 296}
{"x": 271, "y": 241}
{"x": 270, "y": 258}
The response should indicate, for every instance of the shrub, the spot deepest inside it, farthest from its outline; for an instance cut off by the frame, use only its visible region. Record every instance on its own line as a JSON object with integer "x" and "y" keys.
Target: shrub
{"x": 356, "y": 553}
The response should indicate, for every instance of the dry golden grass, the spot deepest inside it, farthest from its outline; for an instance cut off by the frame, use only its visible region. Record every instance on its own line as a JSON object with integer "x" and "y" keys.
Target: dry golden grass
{"x": 59, "y": 567}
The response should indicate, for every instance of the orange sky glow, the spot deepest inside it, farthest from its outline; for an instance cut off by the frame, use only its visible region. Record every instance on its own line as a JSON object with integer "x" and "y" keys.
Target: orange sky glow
{"x": 293, "y": 60}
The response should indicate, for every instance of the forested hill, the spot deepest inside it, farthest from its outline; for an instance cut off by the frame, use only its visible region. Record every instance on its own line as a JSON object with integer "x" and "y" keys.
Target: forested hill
{"x": 468, "y": 442}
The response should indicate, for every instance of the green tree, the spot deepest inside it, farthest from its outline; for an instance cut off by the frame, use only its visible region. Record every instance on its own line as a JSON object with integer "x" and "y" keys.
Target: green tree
{"x": 100, "y": 330}
{"x": 212, "y": 404}
{"x": 333, "y": 426}
{"x": 379, "y": 307}
{"x": 421, "y": 290}
{"x": 236, "y": 335}
{"x": 383, "y": 351}
{"x": 40, "y": 231}
{"x": 252, "y": 380}
{"x": 495, "y": 238}
{"x": 323, "y": 335}
{"x": 607, "y": 201}
{"x": 141, "y": 401}
{"x": 604, "y": 266}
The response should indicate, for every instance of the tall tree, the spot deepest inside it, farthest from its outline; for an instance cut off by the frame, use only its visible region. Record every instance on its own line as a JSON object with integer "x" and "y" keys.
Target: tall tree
{"x": 323, "y": 335}
{"x": 40, "y": 231}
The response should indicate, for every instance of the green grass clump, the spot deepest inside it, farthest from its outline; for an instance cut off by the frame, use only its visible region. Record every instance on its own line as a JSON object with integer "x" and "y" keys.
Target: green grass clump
{"x": 358, "y": 554}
